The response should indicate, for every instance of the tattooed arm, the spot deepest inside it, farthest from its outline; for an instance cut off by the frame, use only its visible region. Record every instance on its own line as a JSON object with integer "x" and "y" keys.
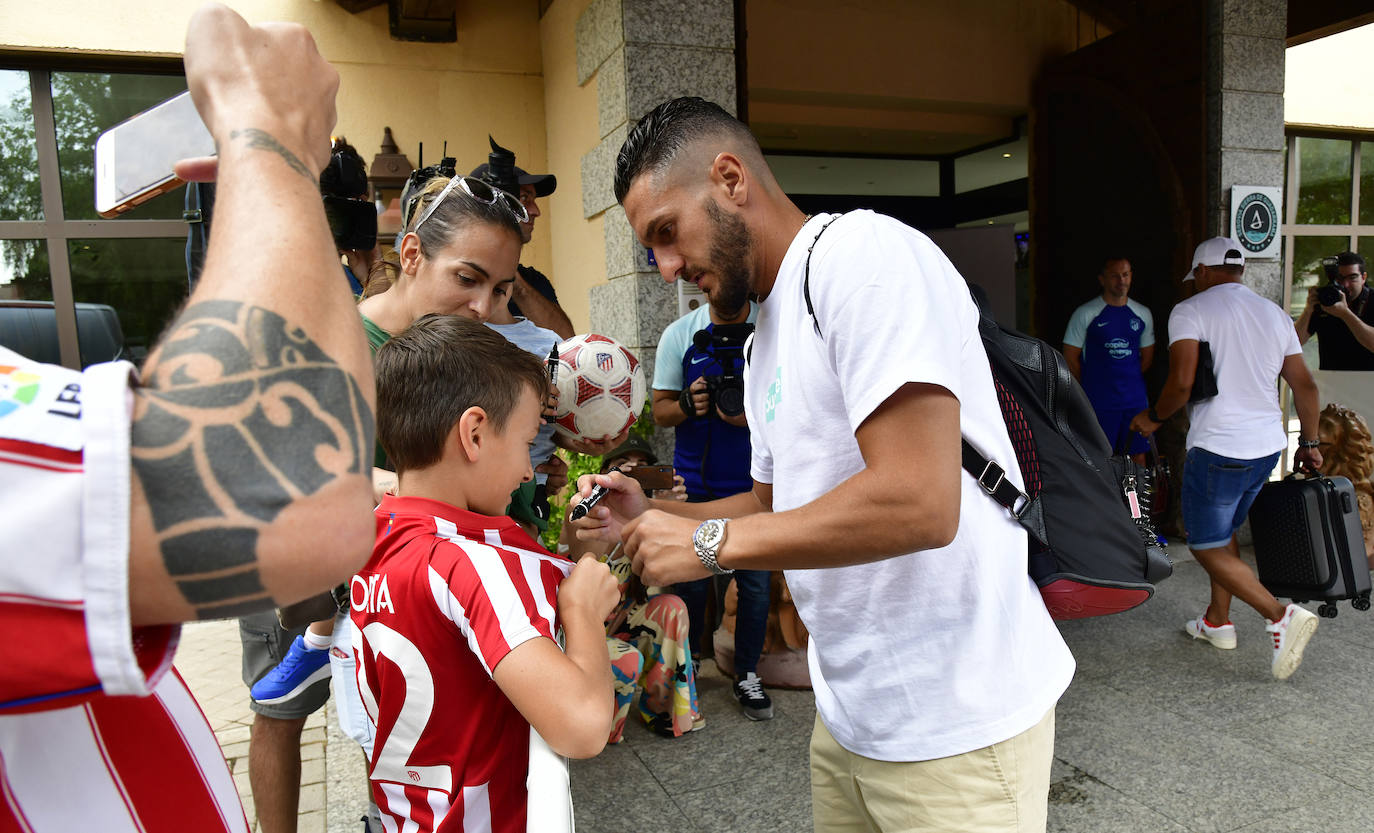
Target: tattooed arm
{"x": 252, "y": 433}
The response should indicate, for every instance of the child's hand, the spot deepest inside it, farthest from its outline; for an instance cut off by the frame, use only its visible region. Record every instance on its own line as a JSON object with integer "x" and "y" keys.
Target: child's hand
{"x": 679, "y": 491}
{"x": 589, "y": 592}
{"x": 557, "y": 470}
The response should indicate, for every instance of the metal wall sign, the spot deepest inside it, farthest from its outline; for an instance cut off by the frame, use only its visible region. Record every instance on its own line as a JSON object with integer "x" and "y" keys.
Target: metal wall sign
{"x": 1255, "y": 213}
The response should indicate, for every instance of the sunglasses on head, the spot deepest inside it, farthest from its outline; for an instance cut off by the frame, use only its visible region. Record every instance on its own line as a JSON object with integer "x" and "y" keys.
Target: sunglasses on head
{"x": 481, "y": 191}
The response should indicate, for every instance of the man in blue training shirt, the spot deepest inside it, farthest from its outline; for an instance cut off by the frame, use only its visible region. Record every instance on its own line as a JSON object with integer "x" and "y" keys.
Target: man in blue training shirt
{"x": 712, "y": 453}
{"x": 1109, "y": 345}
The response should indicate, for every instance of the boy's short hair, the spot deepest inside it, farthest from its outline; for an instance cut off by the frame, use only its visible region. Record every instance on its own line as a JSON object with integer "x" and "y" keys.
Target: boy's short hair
{"x": 434, "y": 371}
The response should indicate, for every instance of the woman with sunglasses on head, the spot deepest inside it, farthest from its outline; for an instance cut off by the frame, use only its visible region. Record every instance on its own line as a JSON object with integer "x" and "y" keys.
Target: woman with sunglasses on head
{"x": 457, "y": 257}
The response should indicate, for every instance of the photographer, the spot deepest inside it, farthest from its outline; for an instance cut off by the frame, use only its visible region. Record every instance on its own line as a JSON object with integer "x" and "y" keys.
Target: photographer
{"x": 699, "y": 390}
{"x": 352, "y": 216}
{"x": 1341, "y": 316}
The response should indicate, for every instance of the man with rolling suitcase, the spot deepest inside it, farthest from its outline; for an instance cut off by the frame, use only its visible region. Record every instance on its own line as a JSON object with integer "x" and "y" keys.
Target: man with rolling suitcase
{"x": 1235, "y": 437}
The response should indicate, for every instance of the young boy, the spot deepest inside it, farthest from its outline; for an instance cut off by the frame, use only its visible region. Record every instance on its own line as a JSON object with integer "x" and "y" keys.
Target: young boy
{"x": 457, "y": 613}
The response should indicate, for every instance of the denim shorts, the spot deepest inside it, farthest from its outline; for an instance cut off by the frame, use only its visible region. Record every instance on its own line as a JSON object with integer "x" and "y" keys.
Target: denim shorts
{"x": 1217, "y": 493}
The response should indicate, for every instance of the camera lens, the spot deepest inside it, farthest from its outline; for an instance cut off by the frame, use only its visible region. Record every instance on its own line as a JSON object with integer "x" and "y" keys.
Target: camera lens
{"x": 1328, "y": 295}
{"x": 730, "y": 400}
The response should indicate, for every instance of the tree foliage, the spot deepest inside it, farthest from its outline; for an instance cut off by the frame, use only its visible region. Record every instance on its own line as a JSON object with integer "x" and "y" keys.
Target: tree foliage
{"x": 143, "y": 279}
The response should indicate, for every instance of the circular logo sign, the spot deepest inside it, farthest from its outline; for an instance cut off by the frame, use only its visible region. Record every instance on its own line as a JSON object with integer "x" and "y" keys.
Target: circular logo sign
{"x": 1257, "y": 221}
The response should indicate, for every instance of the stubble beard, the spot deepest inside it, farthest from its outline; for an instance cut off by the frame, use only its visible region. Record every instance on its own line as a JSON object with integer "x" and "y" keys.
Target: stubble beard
{"x": 731, "y": 246}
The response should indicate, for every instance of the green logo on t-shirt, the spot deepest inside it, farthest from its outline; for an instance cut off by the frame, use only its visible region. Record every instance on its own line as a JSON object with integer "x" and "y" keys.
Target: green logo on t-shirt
{"x": 770, "y": 405}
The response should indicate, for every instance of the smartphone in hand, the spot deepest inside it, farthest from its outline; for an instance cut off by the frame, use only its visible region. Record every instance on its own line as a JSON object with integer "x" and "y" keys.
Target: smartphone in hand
{"x": 134, "y": 159}
{"x": 652, "y": 477}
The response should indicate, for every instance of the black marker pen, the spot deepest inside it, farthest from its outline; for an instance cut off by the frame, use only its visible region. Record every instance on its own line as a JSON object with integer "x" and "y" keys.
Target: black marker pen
{"x": 552, "y": 364}
{"x": 591, "y": 500}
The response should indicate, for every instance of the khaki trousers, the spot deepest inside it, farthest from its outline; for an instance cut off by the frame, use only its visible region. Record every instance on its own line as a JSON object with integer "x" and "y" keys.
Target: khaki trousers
{"x": 1003, "y": 788}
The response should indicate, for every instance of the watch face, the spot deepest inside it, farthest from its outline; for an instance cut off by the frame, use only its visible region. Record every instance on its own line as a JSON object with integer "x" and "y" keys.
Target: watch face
{"x": 709, "y": 534}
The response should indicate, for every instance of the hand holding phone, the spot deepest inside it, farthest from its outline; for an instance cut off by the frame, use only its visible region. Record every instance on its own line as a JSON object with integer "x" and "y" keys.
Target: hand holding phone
{"x": 134, "y": 160}
{"x": 266, "y": 87}
{"x": 652, "y": 477}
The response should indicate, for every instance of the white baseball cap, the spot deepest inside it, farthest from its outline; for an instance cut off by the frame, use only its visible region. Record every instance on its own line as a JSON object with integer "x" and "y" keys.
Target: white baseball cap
{"x": 1219, "y": 251}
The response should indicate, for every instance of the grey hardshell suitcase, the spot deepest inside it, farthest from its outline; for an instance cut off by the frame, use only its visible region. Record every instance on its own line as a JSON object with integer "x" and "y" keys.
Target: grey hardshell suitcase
{"x": 1308, "y": 542}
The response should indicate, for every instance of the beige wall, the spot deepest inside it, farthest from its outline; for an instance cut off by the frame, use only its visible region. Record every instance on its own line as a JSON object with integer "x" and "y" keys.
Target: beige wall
{"x": 579, "y": 249}
{"x": 490, "y": 81}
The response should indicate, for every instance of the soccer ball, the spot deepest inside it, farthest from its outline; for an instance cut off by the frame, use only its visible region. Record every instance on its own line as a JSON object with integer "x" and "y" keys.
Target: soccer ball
{"x": 601, "y": 388}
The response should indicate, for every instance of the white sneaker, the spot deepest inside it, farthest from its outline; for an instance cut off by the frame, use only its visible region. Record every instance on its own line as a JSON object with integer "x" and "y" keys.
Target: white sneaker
{"x": 1291, "y": 634}
{"x": 1223, "y": 637}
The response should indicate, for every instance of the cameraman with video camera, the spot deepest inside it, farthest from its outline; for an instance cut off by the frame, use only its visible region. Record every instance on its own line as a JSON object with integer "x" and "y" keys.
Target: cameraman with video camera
{"x": 1341, "y": 316}
{"x": 699, "y": 390}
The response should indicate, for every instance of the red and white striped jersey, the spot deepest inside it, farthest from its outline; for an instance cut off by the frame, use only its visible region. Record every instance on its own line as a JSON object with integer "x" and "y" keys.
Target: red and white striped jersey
{"x": 117, "y": 765}
{"x": 67, "y": 723}
{"x": 447, "y": 594}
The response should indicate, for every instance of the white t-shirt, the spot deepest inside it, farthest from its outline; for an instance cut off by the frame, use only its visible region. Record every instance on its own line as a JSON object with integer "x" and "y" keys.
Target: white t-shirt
{"x": 933, "y": 653}
{"x": 1250, "y": 336}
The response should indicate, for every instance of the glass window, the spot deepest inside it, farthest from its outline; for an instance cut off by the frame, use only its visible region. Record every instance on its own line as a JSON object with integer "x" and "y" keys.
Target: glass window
{"x": 85, "y": 104}
{"x": 1367, "y": 183}
{"x": 849, "y": 175}
{"x": 19, "y": 194}
{"x": 1324, "y": 181}
{"x": 1365, "y": 248}
{"x": 24, "y": 274}
{"x": 142, "y": 281}
{"x": 993, "y": 166}
{"x": 1307, "y": 265}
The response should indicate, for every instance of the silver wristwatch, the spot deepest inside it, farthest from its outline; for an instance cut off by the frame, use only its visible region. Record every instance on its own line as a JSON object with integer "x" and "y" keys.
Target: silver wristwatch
{"x": 707, "y": 540}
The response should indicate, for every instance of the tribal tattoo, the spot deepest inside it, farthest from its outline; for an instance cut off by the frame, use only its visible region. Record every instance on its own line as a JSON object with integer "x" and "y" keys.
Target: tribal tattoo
{"x": 244, "y": 414}
{"x": 262, "y": 140}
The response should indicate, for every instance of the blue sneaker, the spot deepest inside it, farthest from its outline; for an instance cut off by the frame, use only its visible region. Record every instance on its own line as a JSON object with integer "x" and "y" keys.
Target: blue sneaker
{"x": 298, "y": 670}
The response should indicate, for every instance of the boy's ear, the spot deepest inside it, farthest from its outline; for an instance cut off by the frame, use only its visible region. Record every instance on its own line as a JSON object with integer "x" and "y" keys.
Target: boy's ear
{"x": 469, "y": 434}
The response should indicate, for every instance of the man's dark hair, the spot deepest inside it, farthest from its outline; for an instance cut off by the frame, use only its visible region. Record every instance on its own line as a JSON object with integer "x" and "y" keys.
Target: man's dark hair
{"x": 434, "y": 371}
{"x": 1111, "y": 258}
{"x": 671, "y": 126}
{"x": 1350, "y": 259}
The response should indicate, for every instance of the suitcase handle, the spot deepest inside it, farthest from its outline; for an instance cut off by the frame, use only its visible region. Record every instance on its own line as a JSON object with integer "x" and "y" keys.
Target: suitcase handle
{"x": 1304, "y": 473}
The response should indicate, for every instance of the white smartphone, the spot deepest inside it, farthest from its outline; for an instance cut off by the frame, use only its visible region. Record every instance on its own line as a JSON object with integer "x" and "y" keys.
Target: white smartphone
{"x": 134, "y": 159}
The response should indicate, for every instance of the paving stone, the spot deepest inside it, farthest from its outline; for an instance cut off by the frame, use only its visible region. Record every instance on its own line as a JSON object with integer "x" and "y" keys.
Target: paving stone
{"x": 235, "y": 750}
{"x": 312, "y": 771}
{"x": 312, "y": 799}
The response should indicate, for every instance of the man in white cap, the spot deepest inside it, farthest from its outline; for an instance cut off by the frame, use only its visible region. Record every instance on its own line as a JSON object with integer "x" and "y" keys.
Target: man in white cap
{"x": 1235, "y": 437}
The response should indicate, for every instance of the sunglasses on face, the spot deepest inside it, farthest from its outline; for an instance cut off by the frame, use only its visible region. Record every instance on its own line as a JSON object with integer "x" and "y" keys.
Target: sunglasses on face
{"x": 480, "y": 191}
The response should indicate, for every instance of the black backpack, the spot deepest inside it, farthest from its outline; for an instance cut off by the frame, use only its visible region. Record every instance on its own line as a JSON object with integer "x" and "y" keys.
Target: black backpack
{"x": 1092, "y": 549}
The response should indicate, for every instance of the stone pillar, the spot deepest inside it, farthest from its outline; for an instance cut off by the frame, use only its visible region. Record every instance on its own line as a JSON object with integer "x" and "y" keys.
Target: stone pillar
{"x": 641, "y": 53}
{"x": 1245, "y": 143}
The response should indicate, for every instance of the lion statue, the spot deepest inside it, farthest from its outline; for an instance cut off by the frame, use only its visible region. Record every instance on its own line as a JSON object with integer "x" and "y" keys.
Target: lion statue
{"x": 1348, "y": 451}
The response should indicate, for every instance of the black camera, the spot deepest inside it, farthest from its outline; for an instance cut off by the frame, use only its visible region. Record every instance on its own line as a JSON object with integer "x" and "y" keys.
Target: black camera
{"x": 725, "y": 344}
{"x": 1331, "y": 293}
{"x": 352, "y": 222}
{"x": 343, "y": 186}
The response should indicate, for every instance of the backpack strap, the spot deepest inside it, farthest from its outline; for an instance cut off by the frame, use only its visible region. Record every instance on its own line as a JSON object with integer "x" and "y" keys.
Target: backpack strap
{"x": 806, "y": 275}
{"x": 990, "y": 476}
